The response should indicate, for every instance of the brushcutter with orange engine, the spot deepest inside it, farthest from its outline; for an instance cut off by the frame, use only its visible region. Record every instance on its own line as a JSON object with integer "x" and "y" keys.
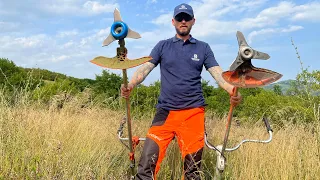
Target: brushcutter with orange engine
{"x": 243, "y": 74}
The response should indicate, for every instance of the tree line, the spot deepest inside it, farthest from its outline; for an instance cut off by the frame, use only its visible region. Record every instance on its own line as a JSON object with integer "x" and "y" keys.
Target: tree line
{"x": 298, "y": 104}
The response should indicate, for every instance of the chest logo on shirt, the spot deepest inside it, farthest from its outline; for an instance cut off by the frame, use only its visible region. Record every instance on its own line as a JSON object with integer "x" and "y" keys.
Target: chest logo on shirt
{"x": 195, "y": 57}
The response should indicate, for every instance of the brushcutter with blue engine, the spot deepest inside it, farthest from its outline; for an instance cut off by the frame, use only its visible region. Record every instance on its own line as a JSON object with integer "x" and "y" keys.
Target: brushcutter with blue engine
{"x": 119, "y": 31}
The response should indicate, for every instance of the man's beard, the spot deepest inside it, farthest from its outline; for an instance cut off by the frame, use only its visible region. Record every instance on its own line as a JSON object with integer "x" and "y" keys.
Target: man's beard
{"x": 185, "y": 33}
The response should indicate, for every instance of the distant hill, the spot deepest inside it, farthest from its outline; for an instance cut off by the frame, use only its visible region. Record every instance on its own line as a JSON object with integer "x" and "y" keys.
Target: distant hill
{"x": 284, "y": 85}
{"x": 12, "y": 75}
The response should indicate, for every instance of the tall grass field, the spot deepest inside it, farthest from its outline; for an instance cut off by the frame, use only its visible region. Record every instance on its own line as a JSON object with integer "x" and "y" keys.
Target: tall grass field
{"x": 81, "y": 143}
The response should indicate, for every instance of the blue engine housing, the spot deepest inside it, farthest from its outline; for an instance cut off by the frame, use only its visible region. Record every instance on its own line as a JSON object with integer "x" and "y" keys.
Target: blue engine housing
{"x": 123, "y": 33}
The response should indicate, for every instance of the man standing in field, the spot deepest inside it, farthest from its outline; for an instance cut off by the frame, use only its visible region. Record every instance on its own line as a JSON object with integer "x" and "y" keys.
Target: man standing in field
{"x": 180, "y": 108}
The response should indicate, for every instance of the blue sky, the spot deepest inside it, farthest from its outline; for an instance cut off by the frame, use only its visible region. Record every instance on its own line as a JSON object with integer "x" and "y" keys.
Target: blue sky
{"x": 64, "y": 35}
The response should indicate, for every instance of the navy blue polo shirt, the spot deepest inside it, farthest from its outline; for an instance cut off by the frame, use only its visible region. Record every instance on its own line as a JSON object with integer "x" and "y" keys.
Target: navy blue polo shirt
{"x": 181, "y": 64}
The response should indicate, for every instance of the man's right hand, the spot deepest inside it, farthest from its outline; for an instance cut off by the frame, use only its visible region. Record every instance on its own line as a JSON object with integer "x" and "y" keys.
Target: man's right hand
{"x": 125, "y": 92}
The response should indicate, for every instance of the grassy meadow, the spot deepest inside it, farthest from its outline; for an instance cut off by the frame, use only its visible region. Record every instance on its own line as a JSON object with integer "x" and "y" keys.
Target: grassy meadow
{"x": 57, "y": 127}
{"x": 39, "y": 142}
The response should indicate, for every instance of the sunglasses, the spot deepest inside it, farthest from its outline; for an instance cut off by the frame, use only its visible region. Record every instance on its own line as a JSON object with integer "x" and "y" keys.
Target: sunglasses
{"x": 183, "y": 16}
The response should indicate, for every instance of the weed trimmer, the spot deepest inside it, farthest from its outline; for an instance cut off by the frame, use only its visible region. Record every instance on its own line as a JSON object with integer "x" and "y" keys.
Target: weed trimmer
{"x": 119, "y": 31}
{"x": 243, "y": 74}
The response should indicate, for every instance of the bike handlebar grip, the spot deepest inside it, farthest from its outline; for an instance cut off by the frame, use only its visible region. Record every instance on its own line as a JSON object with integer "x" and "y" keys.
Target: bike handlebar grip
{"x": 266, "y": 122}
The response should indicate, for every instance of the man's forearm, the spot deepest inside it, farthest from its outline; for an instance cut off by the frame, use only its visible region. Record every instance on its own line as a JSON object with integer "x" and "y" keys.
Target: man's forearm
{"x": 142, "y": 73}
{"x": 216, "y": 73}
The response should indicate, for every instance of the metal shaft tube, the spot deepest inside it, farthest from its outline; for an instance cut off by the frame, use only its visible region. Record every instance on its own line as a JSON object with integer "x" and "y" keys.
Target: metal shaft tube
{"x": 228, "y": 125}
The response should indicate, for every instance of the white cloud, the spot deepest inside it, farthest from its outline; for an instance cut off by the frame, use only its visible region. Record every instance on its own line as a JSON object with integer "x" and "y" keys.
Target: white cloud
{"x": 291, "y": 29}
{"x": 43, "y": 50}
{"x": 307, "y": 12}
{"x": 63, "y": 34}
{"x": 163, "y": 20}
{"x": 208, "y": 12}
{"x": 97, "y": 36}
{"x": 59, "y": 58}
{"x": 35, "y": 41}
{"x": 142, "y": 15}
{"x": 283, "y": 11}
{"x": 268, "y": 17}
{"x": 270, "y": 31}
{"x": 217, "y": 8}
{"x": 156, "y": 35}
{"x": 207, "y": 15}
{"x": 103, "y": 33}
{"x": 213, "y": 28}
{"x": 68, "y": 45}
{"x": 60, "y": 7}
{"x": 97, "y": 8}
{"x": 8, "y": 26}
{"x": 152, "y": 1}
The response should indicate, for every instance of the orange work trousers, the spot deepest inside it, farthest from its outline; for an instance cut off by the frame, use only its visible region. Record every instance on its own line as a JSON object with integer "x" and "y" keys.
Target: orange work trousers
{"x": 188, "y": 127}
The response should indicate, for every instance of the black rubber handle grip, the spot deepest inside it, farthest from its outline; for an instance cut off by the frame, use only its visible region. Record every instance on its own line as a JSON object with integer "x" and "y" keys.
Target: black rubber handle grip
{"x": 266, "y": 122}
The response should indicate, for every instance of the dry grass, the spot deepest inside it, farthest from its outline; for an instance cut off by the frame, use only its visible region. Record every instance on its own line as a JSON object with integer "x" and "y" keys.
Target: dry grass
{"x": 60, "y": 144}
{"x": 75, "y": 143}
{"x": 292, "y": 154}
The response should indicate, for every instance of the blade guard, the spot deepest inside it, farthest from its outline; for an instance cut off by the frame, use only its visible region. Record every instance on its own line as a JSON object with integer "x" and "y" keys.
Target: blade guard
{"x": 114, "y": 63}
{"x": 250, "y": 77}
{"x": 243, "y": 74}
